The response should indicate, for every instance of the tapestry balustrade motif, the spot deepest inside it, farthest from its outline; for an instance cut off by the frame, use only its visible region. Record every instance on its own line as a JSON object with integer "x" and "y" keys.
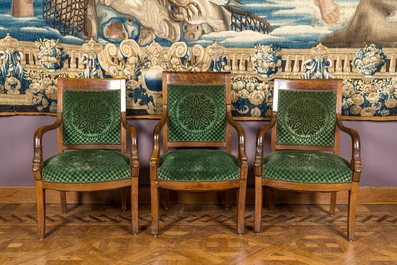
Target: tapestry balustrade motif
{"x": 29, "y": 72}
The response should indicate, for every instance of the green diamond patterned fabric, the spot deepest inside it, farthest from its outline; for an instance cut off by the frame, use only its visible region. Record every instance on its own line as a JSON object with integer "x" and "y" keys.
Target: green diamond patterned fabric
{"x": 307, "y": 167}
{"x": 198, "y": 165}
{"x": 91, "y": 117}
{"x": 196, "y": 112}
{"x": 306, "y": 118}
{"x": 87, "y": 166}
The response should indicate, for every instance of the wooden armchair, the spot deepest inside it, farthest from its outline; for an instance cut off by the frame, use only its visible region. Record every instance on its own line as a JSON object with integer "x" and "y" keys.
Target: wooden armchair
{"x": 196, "y": 153}
{"x": 92, "y": 126}
{"x": 305, "y": 138}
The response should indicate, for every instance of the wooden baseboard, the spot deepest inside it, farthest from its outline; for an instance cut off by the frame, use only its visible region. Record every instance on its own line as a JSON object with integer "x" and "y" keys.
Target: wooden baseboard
{"x": 367, "y": 195}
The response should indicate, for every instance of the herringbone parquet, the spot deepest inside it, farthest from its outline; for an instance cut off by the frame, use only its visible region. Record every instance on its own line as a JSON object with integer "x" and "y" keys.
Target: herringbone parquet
{"x": 193, "y": 234}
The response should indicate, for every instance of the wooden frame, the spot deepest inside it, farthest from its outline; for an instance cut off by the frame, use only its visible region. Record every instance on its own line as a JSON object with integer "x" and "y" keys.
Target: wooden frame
{"x": 161, "y": 130}
{"x": 42, "y": 186}
{"x": 352, "y": 187}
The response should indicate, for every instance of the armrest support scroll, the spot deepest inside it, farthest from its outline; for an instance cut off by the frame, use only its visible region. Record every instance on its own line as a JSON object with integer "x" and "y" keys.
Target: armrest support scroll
{"x": 259, "y": 144}
{"x": 38, "y": 143}
{"x": 356, "y": 150}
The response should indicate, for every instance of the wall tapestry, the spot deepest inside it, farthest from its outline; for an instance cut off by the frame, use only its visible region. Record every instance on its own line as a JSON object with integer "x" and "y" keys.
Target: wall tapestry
{"x": 256, "y": 40}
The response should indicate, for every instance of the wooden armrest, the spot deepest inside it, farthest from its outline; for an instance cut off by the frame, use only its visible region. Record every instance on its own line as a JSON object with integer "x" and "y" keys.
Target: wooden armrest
{"x": 356, "y": 150}
{"x": 259, "y": 144}
{"x": 38, "y": 142}
{"x": 155, "y": 155}
{"x": 242, "y": 155}
{"x": 131, "y": 130}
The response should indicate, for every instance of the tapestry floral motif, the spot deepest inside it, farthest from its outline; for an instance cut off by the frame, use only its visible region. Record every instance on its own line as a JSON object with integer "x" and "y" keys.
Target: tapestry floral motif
{"x": 266, "y": 60}
{"x": 50, "y": 54}
{"x": 251, "y": 97}
{"x": 369, "y": 60}
{"x": 42, "y": 91}
{"x": 376, "y": 97}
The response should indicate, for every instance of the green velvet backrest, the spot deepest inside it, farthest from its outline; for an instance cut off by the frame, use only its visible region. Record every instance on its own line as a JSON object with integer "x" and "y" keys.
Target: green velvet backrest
{"x": 306, "y": 117}
{"x": 197, "y": 113}
{"x": 91, "y": 117}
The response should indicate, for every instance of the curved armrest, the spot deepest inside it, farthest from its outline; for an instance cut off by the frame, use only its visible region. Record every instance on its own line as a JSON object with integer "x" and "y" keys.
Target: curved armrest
{"x": 356, "y": 151}
{"x": 259, "y": 144}
{"x": 242, "y": 155}
{"x": 155, "y": 156}
{"x": 133, "y": 144}
{"x": 38, "y": 143}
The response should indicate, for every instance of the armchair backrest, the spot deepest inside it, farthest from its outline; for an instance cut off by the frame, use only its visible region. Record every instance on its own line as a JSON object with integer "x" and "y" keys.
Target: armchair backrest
{"x": 306, "y": 111}
{"x": 197, "y": 104}
{"x": 91, "y": 111}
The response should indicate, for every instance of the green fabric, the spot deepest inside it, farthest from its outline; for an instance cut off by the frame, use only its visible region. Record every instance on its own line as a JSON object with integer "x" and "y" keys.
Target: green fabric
{"x": 307, "y": 166}
{"x": 198, "y": 165}
{"x": 196, "y": 112}
{"x": 87, "y": 166}
{"x": 306, "y": 118}
{"x": 91, "y": 117}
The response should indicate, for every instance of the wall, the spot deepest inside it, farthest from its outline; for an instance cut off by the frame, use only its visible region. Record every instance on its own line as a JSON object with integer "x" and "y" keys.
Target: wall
{"x": 16, "y": 148}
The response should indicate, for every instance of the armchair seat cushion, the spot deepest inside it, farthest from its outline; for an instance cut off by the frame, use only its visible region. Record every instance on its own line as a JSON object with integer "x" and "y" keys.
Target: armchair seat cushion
{"x": 198, "y": 165}
{"x": 307, "y": 167}
{"x": 87, "y": 166}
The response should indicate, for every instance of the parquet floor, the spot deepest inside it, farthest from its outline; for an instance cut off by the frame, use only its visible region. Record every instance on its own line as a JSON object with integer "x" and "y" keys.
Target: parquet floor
{"x": 191, "y": 234}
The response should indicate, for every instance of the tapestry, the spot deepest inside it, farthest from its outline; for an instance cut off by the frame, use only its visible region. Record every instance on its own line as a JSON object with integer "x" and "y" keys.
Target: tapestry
{"x": 256, "y": 40}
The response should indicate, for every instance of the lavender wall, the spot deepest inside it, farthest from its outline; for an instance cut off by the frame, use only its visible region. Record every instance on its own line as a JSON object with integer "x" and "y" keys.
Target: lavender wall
{"x": 16, "y": 147}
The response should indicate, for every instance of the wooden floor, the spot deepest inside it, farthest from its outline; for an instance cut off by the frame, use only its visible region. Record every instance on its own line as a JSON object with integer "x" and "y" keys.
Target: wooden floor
{"x": 191, "y": 234}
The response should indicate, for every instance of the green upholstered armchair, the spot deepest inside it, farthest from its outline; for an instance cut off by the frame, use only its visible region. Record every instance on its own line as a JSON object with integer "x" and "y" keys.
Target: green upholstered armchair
{"x": 196, "y": 151}
{"x": 92, "y": 149}
{"x": 305, "y": 138}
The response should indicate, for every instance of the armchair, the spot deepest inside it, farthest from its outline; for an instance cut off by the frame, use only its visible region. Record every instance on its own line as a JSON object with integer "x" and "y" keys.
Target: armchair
{"x": 305, "y": 144}
{"x": 92, "y": 127}
{"x": 196, "y": 150}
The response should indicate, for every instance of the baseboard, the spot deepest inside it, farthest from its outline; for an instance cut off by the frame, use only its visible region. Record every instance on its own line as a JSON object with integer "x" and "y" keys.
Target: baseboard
{"x": 367, "y": 195}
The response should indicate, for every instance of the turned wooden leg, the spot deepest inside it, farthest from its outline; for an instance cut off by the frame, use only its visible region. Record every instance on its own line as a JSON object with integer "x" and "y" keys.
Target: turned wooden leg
{"x": 64, "y": 206}
{"x": 351, "y": 220}
{"x": 134, "y": 205}
{"x": 165, "y": 194}
{"x": 258, "y": 204}
{"x": 227, "y": 199}
{"x": 154, "y": 192}
{"x": 124, "y": 194}
{"x": 332, "y": 203}
{"x": 40, "y": 201}
{"x": 241, "y": 207}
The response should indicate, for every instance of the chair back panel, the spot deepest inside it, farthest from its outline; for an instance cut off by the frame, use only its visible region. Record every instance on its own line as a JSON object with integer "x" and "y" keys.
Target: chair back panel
{"x": 196, "y": 113}
{"x": 197, "y": 104}
{"x": 91, "y": 111}
{"x": 91, "y": 117}
{"x": 306, "y": 112}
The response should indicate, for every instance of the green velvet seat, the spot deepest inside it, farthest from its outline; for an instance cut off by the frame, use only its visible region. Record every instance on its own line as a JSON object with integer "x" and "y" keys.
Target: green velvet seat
{"x": 196, "y": 150}
{"x": 92, "y": 153}
{"x": 307, "y": 167}
{"x": 305, "y": 146}
{"x": 87, "y": 166}
{"x": 198, "y": 165}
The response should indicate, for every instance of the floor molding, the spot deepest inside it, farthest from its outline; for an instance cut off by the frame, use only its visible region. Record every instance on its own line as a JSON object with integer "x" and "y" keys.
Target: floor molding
{"x": 367, "y": 195}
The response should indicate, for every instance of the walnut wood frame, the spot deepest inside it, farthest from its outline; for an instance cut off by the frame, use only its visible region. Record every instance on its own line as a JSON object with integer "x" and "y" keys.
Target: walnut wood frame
{"x": 161, "y": 131}
{"x": 355, "y": 163}
{"x": 42, "y": 186}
